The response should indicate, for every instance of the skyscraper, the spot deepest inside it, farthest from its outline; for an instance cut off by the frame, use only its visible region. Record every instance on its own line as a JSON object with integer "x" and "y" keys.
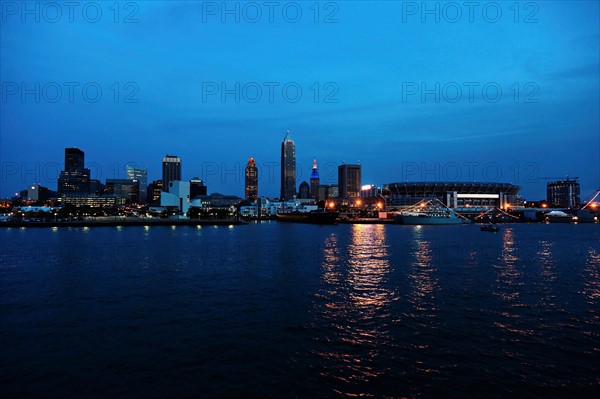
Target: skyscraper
{"x": 563, "y": 193}
{"x": 171, "y": 170}
{"x": 349, "y": 181}
{"x": 141, "y": 175}
{"x": 288, "y": 167}
{"x": 314, "y": 181}
{"x": 74, "y": 160}
{"x": 251, "y": 180}
{"x": 75, "y": 177}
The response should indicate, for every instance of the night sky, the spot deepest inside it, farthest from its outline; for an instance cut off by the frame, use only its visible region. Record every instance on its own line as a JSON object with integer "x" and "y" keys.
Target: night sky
{"x": 361, "y": 68}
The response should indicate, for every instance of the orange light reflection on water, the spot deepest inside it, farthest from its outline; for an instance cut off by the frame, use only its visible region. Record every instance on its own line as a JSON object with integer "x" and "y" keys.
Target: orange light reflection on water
{"x": 356, "y": 298}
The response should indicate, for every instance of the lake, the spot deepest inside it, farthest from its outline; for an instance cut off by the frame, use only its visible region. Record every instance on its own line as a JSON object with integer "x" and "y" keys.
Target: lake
{"x": 296, "y": 310}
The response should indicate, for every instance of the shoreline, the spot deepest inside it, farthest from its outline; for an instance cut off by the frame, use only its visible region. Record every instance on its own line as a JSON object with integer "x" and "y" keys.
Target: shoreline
{"x": 217, "y": 222}
{"x": 125, "y": 223}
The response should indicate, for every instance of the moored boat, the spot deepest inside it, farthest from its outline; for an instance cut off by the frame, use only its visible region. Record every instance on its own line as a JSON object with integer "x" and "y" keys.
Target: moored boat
{"x": 429, "y": 213}
{"x": 558, "y": 217}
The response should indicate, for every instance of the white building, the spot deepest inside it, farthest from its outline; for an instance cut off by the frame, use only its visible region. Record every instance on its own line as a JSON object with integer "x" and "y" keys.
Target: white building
{"x": 272, "y": 208}
{"x": 178, "y": 195}
{"x": 249, "y": 210}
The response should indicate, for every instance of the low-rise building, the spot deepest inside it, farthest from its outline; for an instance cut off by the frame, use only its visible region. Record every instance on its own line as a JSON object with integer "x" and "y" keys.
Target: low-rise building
{"x": 78, "y": 199}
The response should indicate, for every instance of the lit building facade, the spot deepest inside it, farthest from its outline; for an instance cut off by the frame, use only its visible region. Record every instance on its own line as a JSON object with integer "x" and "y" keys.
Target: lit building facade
{"x": 251, "y": 182}
{"x": 171, "y": 170}
{"x": 563, "y": 193}
{"x": 349, "y": 181}
{"x": 154, "y": 190}
{"x": 79, "y": 199}
{"x": 216, "y": 200}
{"x": 370, "y": 190}
{"x": 141, "y": 175}
{"x": 123, "y": 188}
{"x": 288, "y": 167}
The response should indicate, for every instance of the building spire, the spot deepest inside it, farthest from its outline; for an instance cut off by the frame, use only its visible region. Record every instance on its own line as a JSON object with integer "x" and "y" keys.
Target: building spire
{"x": 288, "y": 136}
{"x": 315, "y": 173}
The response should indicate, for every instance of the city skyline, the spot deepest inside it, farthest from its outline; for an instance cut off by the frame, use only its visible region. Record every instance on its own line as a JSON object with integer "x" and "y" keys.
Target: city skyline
{"x": 300, "y": 198}
{"x": 76, "y": 179}
{"x": 232, "y": 175}
{"x": 363, "y": 108}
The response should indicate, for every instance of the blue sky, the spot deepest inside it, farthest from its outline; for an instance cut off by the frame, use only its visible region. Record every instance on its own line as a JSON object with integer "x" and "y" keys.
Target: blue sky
{"x": 367, "y": 62}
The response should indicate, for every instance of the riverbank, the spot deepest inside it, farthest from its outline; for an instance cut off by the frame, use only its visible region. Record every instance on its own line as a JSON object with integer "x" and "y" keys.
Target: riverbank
{"x": 124, "y": 223}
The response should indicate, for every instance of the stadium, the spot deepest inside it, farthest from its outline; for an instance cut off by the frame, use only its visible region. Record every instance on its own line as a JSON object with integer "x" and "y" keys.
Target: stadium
{"x": 453, "y": 194}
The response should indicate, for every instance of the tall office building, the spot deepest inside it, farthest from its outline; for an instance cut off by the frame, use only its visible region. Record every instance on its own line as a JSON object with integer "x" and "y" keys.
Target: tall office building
{"x": 563, "y": 193}
{"x": 315, "y": 181}
{"x": 349, "y": 181}
{"x": 288, "y": 167}
{"x": 171, "y": 170}
{"x": 75, "y": 177}
{"x": 74, "y": 160}
{"x": 141, "y": 175}
{"x": 251, "y": 180}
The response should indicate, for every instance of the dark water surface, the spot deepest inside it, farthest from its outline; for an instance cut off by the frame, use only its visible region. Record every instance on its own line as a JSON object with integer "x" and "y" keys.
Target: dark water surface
{"x": 293, "y": 310}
